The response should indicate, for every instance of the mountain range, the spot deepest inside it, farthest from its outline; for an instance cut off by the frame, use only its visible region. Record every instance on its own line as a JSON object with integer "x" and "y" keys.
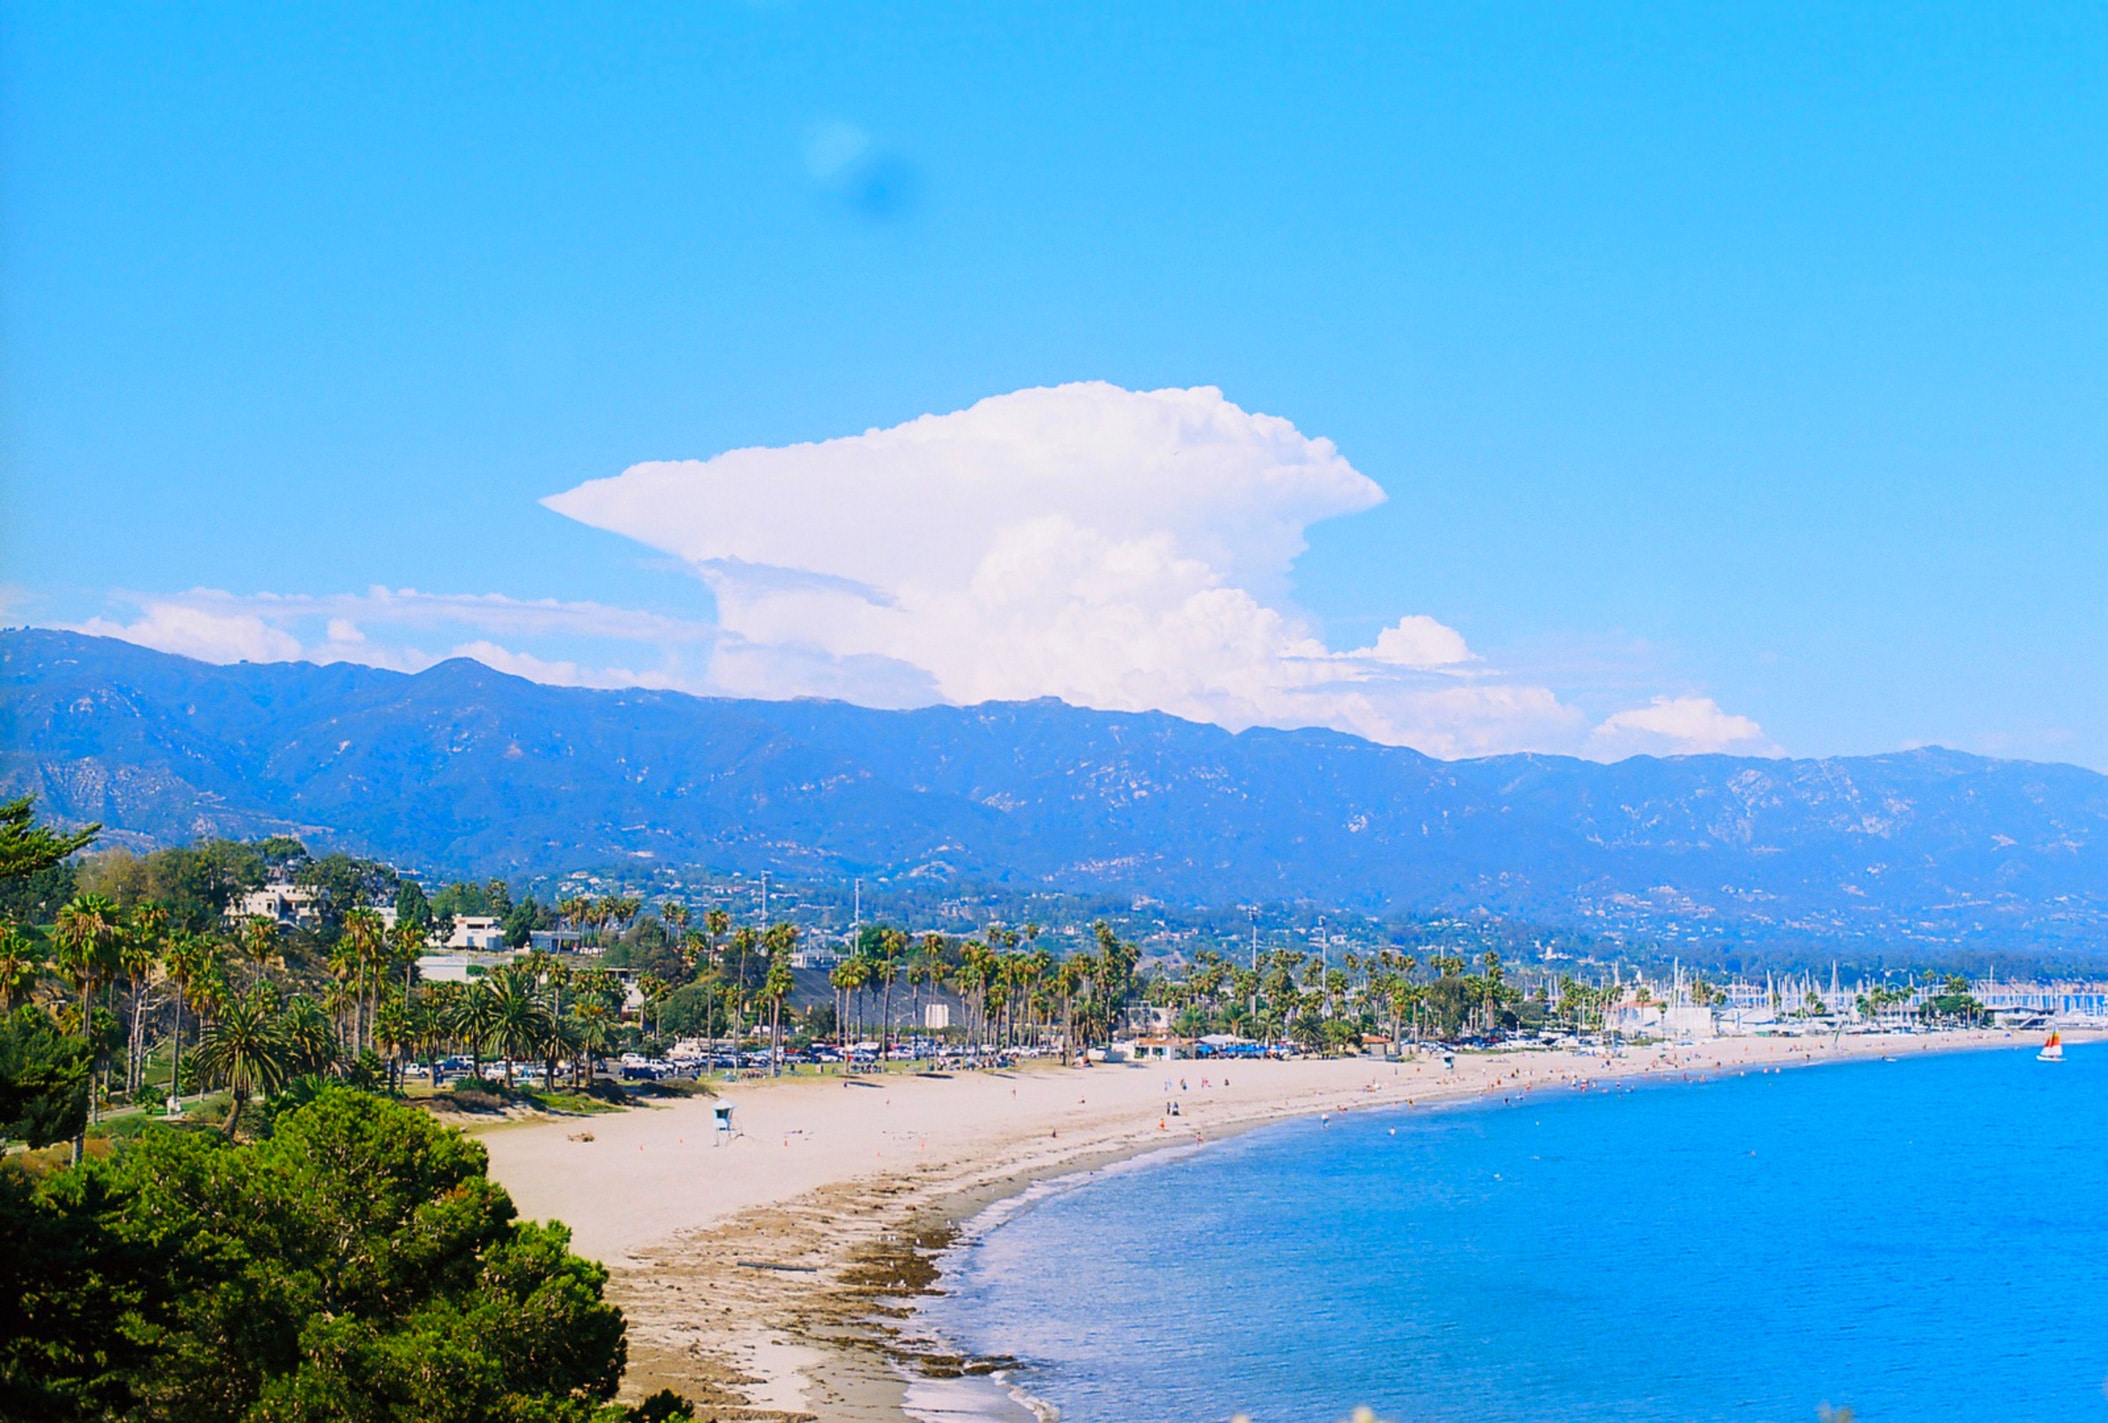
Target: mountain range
{"x": 462, "y": 769}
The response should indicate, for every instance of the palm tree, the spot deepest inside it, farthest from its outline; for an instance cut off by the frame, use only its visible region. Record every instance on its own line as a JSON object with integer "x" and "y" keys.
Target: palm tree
{"x": 654, "y": 989}
{"x": 892, "y": 947}
{"x": 87, "y": 931}
{"x": 409, "y": 943}
{"x": 473, "y": 1020}
{"x": 260, "y": 941}
{"x": 431, "y": 1020}
{"x": 366, "y": 939}
{"x": 310, "y": 1038}
{"x": 776, "y": 986}
{"x": 560, "y": 1038}
{"x": 244, "y": 1049}
{"x": 699, "y": 954}
{"x": 675, "y": 914}
{"x": 395, "y": 1032}
{"x": 20, "y": 967}
{"x": 341, "y": 994}
{"x": 517, "y": 1022}
{"x": 591, "y": 1025}
{"x": 1070, "y": 979}
{"x": 139, "y": 954}
{"x": 743, "y": 941}
{"x": 849, "y": 978}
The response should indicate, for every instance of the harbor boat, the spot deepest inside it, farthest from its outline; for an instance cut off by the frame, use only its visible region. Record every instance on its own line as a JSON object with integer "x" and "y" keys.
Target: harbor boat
{"x": 2052, "y": 1051}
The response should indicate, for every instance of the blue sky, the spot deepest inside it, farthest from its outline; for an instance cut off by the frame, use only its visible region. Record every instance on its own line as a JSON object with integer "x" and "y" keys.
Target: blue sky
{"x": 1737, "y": 358}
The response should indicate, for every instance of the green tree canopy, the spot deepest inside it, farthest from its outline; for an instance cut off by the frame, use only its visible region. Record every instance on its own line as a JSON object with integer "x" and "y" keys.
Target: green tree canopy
{"x": 346, "y": 883}
{"x": 43, "y": 1079}
{"x": 27, "y": 847}
{"x": 522, "y": 920}
{"x": 411, "y": 906}
{"x": 358, "y": 1264}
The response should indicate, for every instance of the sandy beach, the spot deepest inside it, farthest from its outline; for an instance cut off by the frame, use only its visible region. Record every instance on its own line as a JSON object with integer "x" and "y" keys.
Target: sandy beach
{"x": 770, "y": 1276}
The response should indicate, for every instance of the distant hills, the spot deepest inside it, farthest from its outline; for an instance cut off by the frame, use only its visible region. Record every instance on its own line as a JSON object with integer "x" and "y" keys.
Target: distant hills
{"x": 463, "y": 769}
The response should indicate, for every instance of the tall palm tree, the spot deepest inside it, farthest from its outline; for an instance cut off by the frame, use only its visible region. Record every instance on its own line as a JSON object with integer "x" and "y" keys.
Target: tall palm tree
{"x": 87, "y": 931}
{"x": 244, "y": 1049}
{"x": 365, "y": 946}
{"x": 654, "y": 989}
{"x": 695, "y": 948}
{"x": 849, "y": 978}
{"x": 590, "y": 1021}
{"x": 409, "y": 944}
{"x": 139, "y": 954}
{"x": 743, "y": 943}
{"x": 395, "y": 1033}
{"x": 892, "y": 948}
{"x": 675, "y": 914}
{"x": 260, "y": 941}
{"x": 776, "y": 986}
{"x": 341, "y": 995}
{"x": 1070, "y": 979}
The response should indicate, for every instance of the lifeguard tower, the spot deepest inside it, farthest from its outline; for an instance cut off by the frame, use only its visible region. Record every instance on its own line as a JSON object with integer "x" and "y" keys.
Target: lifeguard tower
{"x": 721, "y": 1123}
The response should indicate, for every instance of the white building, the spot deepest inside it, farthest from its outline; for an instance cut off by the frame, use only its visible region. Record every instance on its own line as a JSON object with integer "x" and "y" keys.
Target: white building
{"x": 480, "y": 933}
{"x": 291, "y": 905}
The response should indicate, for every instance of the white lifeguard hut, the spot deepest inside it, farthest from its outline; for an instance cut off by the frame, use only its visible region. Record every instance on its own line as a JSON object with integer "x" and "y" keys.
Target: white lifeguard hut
{"x": 722, "y": 1130}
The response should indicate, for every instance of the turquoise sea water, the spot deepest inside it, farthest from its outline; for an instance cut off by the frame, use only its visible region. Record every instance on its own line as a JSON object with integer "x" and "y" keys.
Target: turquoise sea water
{"x": 1923, "y": 1239}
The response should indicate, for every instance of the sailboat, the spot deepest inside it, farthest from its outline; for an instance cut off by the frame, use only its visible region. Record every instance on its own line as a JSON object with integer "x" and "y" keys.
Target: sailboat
{"x": 2052, "y": 1051}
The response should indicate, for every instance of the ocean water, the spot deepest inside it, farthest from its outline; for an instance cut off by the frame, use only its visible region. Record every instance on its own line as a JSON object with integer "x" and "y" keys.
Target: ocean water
{"x": 1922, "y": 1239}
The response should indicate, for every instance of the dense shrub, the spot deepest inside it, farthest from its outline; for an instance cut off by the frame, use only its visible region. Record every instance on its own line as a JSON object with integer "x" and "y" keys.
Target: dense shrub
{"x": 358, "y": 1263}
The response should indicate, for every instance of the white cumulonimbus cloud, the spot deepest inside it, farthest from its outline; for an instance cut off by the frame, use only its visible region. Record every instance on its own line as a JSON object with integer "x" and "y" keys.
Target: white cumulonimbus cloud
{"x": 1128, "y": 550}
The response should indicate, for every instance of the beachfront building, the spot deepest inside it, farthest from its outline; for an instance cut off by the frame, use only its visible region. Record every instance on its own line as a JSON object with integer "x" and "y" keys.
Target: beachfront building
{"x": 1661, "y": 1020}
{"x": 556, "y": 941}
{"x": 2066, "y": 1004}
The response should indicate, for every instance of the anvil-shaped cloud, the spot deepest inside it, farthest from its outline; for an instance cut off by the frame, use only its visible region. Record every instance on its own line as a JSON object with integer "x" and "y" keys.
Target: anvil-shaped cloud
{"x": 1128, "y": 550}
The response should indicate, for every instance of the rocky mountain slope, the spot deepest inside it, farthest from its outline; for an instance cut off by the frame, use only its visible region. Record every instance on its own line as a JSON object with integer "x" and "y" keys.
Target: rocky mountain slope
{"x": 460, "y": 768}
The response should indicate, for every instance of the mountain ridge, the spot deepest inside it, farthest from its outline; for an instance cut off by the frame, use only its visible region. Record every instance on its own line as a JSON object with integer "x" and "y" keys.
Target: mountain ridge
{"x": 463, "y": 768}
